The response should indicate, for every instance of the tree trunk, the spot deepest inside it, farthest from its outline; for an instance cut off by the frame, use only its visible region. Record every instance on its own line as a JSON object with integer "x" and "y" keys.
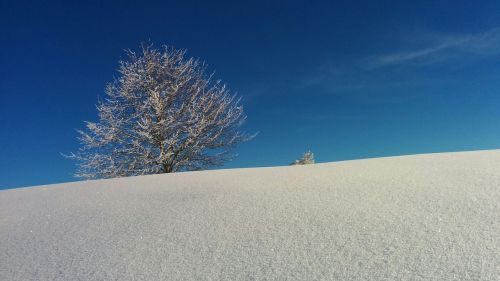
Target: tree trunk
{"x": 167, "y": 168}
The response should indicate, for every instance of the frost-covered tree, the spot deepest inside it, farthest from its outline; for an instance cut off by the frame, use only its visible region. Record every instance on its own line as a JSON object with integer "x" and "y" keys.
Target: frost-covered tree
{"x": 307, "y": 158}
{"x": 162, "y": 114}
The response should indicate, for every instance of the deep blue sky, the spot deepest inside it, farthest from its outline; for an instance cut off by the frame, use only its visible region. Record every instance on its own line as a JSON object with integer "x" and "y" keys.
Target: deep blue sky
{"x": 350, "y": 79}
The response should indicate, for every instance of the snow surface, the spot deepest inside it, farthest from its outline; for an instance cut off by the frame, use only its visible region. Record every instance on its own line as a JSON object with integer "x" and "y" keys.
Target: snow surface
{"x": 423, "y": 217}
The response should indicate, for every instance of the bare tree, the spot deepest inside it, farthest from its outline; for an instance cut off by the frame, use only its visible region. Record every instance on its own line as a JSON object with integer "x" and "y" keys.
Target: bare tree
{"x": 163, "y": 114}
{"x": 307, "y": 158}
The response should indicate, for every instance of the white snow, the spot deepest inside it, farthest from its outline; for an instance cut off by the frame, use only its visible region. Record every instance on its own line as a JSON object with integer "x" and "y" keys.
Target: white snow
{"x": 422, "y": 217}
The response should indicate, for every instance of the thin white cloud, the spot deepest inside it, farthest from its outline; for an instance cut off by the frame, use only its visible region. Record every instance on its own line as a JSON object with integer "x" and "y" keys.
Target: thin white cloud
{"x": 443, "y": 48}
{"x": 396, "y": 76}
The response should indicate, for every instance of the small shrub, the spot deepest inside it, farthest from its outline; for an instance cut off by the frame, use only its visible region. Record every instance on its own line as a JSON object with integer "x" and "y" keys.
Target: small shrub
{"x": 307, "y": 158}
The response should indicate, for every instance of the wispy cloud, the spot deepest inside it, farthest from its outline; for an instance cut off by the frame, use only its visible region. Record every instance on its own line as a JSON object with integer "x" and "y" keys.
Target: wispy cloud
{"x": 417, "y": 65}
{"x": 403, "y": 69}
{"x": 442, "y": 48}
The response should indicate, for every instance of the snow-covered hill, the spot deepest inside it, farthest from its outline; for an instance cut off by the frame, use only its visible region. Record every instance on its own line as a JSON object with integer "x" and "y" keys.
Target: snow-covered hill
{"x": 422, "y": 217}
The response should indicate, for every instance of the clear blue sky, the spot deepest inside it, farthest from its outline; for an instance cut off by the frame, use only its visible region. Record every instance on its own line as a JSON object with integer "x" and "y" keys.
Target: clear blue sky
{"x": 346, "y": 79}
